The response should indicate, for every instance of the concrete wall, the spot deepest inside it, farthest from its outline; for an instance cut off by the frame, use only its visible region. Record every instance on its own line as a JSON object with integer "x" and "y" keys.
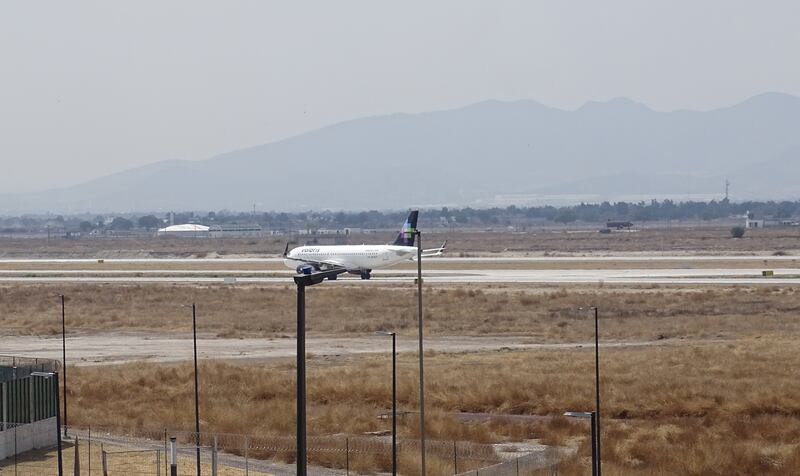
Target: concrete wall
{"x": 40, "y": 434}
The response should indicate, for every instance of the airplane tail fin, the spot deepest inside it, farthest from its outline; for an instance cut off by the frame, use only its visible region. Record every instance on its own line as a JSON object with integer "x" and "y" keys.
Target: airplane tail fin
{"x": 408, "y": 234}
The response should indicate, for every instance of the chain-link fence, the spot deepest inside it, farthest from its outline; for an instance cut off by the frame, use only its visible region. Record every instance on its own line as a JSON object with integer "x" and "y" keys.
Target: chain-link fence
{"x": 12, "y": 367}
{"x": 538, "y": 463}
{"x": 131, "y": 462}
{"x": 148, "y": 452}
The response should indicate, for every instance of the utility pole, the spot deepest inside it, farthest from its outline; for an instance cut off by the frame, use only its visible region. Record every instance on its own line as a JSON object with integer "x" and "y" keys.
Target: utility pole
{"x": 597, "y": 384}
{"x": 421, "y": 356}
{"x": 302, "y": 281}
{"x": 64, "y": 358}
{"x": 301, "y": 380}
{"x": 196, "y": 390}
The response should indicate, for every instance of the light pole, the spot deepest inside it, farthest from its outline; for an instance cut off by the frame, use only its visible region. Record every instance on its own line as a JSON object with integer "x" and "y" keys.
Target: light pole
{"x": 597, "y": 382}
{"x": 421, "y": 355}
{"x": 394, "y": 398}
{"x": 64, "y": 357}
{"x": 593, "y": 417}
{"x": 196, "y": 389}
{"x": 303, "y": 280}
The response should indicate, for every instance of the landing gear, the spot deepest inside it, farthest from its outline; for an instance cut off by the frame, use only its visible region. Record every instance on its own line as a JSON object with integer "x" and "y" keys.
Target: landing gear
{"x": 365, "y": 274}
{"x": 332, "y": 277}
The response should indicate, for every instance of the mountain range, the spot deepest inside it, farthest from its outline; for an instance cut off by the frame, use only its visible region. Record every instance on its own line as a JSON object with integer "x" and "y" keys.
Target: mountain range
{"x": 487, "y": 153}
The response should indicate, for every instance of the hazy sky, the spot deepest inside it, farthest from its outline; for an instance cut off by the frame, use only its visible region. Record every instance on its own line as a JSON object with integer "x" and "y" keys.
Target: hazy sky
{"x": 91, "y": 88}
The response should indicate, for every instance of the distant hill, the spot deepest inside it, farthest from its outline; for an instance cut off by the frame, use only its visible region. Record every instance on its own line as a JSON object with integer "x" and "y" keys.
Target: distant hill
{"x": 471, "y": 156}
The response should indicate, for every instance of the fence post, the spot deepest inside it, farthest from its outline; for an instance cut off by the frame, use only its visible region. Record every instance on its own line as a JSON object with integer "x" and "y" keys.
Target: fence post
{"x": 104, "y": 460}
{"x": 517, "y": 462}
{"x": 347, "y": 456}
{"x": 4, "y": 401}
{"x": 31, "y": 408}
{"x": 158, "y": 462}
{"x": 214, "y": 457}
{"x": 90, "y": 451}
{"x": 166, "y": 452}
{"x": 246, "y": 460}
{"x": 173, "y": 452}
{"x": 455, "y": 458}
{"x": 76, "y": 468}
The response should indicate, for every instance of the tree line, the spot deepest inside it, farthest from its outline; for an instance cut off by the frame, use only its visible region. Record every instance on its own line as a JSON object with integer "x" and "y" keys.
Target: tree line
{"x": 592, "y": 213}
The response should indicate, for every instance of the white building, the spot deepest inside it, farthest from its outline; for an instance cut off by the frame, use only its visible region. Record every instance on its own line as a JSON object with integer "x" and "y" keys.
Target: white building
{"x": 185, "y": 230}
{"x": 752, "y": 223}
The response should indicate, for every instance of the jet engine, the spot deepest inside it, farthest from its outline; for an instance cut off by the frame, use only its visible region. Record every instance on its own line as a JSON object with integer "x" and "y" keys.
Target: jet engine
{"x": 305, "y": 269}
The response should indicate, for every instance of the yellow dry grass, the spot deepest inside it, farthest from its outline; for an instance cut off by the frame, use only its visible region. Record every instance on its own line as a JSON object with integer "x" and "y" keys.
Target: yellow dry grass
{"x": 720, "y": 408}
{"x": 544, "y": 313}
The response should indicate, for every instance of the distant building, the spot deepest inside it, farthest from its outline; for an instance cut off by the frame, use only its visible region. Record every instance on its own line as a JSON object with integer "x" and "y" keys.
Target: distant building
{"x": 189, "y": 230}
{"x": 766, "y": 222}
{"x": 753, "y": 223}
{"x": 233, "y": 231}
{"x": 619, "y": 225}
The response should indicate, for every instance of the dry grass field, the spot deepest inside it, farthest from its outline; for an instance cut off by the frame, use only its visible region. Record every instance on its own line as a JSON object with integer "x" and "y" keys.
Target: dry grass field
{"x": 719, "y": 399}
{"x": 678, "y": 239}
{"x": 719, "y": 408}
{"x": 543, "y": 313}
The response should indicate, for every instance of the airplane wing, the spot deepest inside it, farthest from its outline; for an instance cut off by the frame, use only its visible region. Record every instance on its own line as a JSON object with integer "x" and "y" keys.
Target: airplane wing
{"x": 435, "y": 251}
{"x": 325, "y": 262}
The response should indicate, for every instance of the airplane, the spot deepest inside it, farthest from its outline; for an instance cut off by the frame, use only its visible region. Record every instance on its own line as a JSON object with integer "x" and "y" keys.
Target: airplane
{"x": 360, "y": 259}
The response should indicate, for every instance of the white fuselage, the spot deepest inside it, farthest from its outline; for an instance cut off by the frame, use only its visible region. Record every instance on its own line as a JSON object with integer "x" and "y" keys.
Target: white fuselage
{"x": 351, "y": 257}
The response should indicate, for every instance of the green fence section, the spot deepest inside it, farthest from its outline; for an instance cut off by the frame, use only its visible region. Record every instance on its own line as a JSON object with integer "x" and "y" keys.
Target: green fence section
{"x": 24, "y": 396}
{"x": 27, "y": 400}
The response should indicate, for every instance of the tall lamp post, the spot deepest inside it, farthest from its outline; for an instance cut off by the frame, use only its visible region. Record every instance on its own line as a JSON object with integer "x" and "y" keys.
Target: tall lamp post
{"x": 64, "y": 357}
{"x": 196, "y": 389}
{"x": 592, "y": 416}
{"x": 421, "y": 356}
{"x": 303, "y": 280}
{"x": 597, "y": 381}
{"x": 394, "y": 398}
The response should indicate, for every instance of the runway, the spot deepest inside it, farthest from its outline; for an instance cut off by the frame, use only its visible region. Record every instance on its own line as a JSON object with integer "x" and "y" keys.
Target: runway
{"x": 442, "y": 259}
{"x": 673, "y": 276}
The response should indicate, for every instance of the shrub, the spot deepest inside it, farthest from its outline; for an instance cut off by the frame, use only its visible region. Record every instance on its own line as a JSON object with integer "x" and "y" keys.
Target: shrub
{"x": 737, "y": 231}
